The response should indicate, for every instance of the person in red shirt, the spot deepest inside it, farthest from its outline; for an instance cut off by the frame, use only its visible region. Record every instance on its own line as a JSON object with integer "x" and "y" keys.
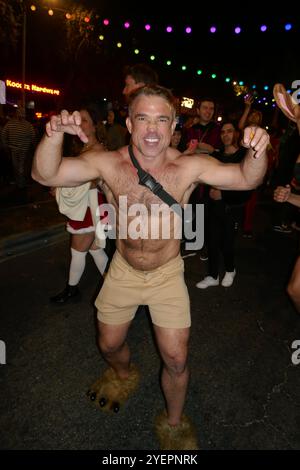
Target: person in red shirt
{"x": 206, "y": 131}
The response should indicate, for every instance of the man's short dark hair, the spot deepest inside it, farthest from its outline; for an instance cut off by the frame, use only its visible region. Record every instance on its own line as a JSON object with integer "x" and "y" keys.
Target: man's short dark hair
{"x": 142, "y": 73}
{"x": 210, "y": 100}
{"x": 154, "y": 90}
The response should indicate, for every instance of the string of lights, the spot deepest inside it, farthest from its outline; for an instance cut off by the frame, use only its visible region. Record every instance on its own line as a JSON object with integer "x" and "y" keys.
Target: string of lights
{"x": 188, "y": 29}
{"x": 261, "y": 92}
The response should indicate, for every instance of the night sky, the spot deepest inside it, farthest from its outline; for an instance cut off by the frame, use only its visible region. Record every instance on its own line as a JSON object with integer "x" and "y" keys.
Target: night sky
{"x": 254, "y": 57}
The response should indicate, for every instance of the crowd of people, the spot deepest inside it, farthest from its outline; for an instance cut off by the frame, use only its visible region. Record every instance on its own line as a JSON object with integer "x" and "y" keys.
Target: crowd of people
{"x": 182, "y": 159}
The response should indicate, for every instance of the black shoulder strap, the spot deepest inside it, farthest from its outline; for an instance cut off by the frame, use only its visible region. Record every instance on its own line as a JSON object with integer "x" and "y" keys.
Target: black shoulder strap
{"x": 145, "y": 179}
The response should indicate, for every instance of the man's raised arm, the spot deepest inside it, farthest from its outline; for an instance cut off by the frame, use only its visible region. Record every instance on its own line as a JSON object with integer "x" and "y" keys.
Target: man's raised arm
{"x": 255, "y": 163}
{"x": 239, "y": 176}
{"x": 49, "y": 168}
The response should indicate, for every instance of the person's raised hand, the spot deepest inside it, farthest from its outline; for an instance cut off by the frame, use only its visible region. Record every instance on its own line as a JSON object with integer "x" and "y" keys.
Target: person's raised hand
{"x": 248, "y": 100}
{"x": 67, "y": 123}
{"x": 257, "y": 139}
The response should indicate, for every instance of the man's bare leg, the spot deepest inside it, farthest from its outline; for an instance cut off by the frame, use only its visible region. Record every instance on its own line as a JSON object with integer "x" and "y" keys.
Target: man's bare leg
{"x": 118, "y": 382}
{"x": 175, "y": 431}
{"x": 173, "y": 344}
{"x": 113, "y": 346}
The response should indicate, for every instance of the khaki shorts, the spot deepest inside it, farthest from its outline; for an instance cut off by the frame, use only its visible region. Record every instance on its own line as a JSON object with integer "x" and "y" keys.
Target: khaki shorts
{"x": 162, "y": 289}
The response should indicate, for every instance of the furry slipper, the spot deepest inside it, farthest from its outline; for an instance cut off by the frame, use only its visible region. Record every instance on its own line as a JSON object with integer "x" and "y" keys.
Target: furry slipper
{"x": 110, "y": 392}
{"x": 180, "y": 437}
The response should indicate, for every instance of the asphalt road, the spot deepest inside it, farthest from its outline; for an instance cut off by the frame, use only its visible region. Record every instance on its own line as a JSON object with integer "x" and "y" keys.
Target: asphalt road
{"x": 244, "y": 391}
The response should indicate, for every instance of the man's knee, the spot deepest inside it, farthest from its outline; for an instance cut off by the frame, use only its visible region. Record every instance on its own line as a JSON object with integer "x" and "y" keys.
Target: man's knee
{"x": 175, "y": 363}
{"x": 111, "y": 338}
{"x": 109, "y": 345}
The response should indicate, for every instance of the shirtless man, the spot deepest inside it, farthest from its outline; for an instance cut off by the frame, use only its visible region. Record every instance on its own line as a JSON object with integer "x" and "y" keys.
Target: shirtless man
{"x": 146, "y": 271}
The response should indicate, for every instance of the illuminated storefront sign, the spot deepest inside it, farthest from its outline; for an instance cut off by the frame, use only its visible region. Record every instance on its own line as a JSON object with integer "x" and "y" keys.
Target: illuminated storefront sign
{"x": 32, "y": 87}
{"x": 187, "y": 102}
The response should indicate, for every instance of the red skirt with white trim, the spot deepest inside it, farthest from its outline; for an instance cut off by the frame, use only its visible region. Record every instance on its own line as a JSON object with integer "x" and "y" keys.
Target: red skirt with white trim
{"x": 86, "y": 225}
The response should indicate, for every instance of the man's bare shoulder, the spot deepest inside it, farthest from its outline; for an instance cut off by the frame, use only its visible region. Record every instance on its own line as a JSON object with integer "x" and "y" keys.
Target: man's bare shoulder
{"x": 195, "y": 160}
{"x": 194, "y": 167}
{"x": 173, "y": 154}
{"x": 122, "y": 152}
{"x": 109, "y": 157}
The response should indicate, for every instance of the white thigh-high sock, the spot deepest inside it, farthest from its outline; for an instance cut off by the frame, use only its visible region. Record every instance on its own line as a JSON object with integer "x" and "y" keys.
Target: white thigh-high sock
{"x": 77, "y": 266}
{"x": 100, "y": 258}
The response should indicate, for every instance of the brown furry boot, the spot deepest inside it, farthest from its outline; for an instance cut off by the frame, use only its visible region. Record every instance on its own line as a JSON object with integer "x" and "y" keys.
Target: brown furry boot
{"x": 110, "y": 392}
{"x": 180, "y": 437}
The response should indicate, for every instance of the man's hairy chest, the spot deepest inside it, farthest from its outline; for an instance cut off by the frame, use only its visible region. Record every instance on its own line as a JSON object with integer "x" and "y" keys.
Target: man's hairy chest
{"x": 126, "y": 184}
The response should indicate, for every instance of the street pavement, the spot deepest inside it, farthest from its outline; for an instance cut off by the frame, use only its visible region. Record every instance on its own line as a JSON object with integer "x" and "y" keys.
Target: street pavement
{"x": 244, "y": 391}
{"x": 29, "y": 220}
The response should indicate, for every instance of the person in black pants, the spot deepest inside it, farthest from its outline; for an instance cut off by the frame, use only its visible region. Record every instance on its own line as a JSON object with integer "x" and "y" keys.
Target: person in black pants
{"x": 224, "y": 209}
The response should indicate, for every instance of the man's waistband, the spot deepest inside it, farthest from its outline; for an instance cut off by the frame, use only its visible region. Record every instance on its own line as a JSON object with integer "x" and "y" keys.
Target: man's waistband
{"x": 173, "y": 263}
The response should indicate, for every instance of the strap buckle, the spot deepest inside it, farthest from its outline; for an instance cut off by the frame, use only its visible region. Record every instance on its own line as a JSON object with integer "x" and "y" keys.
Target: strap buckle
{"x": 151, "y": 183}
